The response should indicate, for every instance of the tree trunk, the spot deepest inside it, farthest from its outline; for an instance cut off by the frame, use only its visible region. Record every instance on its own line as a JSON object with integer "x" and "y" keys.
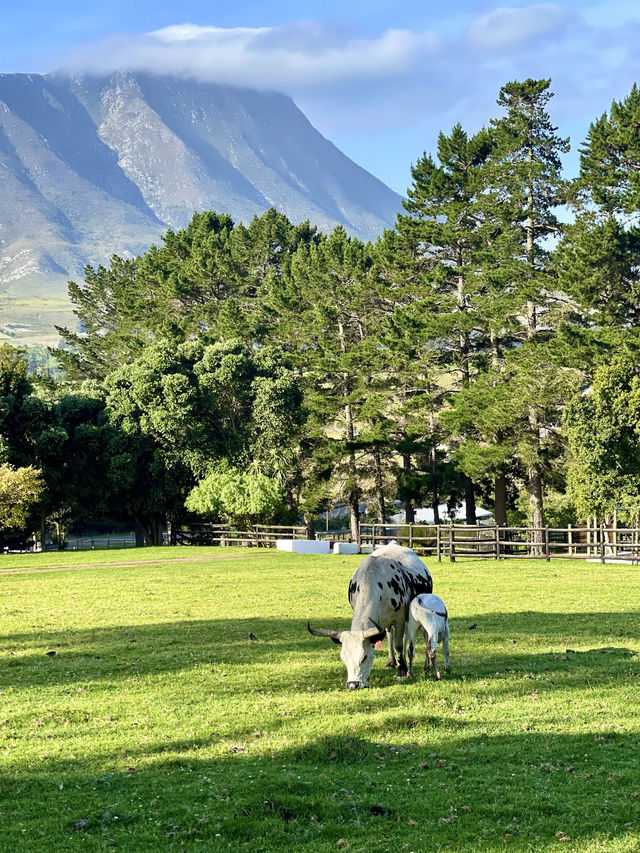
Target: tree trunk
{"x": 150, "y": 532}
{"x": 433, "y": 455}
{"x": 500, "y": 496}
{"x": 353, "y": 491}
{"x": 536, "y": 510}
{"x": 470, "y": 501}
{"x": 463, "y": 337}
{"x": 309, "y": 529}
{"x": 435, "y": 506}
{"x": 140, "y": 533}
{"x": 409, "y": 510}
{"x": 536, "y": 505}
{"x": 379, "y": 485}
{"x": 43, "y": 530}
{"x": 171, "y": 533}
{"x": 354, "y": 517}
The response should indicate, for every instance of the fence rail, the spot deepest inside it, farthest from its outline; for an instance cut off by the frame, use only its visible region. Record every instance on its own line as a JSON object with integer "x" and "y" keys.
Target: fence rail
{"x": 261, "y": 535}
{"x": 460, "y": 540}
{"x": 448, "y": 541}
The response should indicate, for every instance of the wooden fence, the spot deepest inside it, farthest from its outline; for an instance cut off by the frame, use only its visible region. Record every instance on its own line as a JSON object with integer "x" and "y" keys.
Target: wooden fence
{"x": 261, "y": 535}
{"x": 448, "y": 541}
{"x": 460, "y": 540}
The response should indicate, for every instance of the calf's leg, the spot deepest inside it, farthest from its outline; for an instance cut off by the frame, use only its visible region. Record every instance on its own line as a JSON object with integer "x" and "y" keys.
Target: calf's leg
{"x": 409, "y": 641}
{"x": 445, "y": 648}
{"x": 431, "y": 650}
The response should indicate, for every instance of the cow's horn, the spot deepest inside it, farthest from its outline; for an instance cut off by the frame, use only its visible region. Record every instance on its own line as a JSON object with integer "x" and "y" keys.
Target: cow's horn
{"x": 378, "y": 631}
{"x": 324, "y": 632}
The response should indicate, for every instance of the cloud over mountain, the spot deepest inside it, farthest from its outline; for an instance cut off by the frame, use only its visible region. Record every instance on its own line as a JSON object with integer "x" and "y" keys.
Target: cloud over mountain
{"x": 303, "y": 53}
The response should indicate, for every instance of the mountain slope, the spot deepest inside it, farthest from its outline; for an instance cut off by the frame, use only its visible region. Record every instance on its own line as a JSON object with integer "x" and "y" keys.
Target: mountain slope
{"x": 90, "y": 166}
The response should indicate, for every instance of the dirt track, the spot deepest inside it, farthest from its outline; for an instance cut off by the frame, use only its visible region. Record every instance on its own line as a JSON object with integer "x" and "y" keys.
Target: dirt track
{"x": 127, "y": 563}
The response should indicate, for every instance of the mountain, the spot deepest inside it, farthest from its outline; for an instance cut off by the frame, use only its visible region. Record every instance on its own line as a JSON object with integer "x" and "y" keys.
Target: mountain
{"x": 91, "y": 166}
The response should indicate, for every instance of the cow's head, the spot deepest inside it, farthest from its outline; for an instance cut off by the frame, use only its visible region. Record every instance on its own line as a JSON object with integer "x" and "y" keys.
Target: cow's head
{"x": 356, "y": 651}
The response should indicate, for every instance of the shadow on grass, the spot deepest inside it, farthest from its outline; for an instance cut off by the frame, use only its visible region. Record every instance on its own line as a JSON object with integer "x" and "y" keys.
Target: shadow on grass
{"x": 500, "y": 644}
{"x": 528, "y": 791}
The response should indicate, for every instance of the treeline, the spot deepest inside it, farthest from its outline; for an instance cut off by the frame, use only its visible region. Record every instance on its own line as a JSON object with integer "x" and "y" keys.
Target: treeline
{"x": 486, "y": 347}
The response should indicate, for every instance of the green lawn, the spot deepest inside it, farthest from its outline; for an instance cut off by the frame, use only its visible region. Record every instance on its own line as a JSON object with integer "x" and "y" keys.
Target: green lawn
{"x": 158, "y": 724}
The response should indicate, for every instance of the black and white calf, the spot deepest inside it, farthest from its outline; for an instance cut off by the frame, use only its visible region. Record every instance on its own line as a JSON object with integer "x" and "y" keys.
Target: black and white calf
{"x": 428, "y": 613}
{"x": 380, "y": 592}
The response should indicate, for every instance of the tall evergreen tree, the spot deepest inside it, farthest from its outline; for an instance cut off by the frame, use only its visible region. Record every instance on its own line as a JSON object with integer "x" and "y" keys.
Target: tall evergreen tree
{"x": 524, "y": 190}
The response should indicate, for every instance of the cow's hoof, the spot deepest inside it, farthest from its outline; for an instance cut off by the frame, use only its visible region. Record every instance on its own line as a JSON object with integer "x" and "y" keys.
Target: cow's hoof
{"x": 438, "y": 676}
{"x": 402, "y": 674}
{"x": 389, "y": 665}
{"x": 447, "y": 670}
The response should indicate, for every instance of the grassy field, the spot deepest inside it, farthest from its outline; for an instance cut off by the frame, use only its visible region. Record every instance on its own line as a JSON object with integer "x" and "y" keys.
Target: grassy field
{"x": 159, "y": 725}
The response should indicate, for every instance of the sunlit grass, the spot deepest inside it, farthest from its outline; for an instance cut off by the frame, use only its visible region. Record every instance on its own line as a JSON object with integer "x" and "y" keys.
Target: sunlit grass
{"x": 159, "y": 724}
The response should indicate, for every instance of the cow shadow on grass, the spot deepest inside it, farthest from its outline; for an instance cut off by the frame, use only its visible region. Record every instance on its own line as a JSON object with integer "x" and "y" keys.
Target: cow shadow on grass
{"x": 283, "y": 656}
{"x": 360, "y": 791}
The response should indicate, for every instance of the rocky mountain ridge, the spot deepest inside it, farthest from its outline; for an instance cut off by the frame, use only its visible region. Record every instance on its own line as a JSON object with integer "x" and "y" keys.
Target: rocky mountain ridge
{"x": 90, "y": 166}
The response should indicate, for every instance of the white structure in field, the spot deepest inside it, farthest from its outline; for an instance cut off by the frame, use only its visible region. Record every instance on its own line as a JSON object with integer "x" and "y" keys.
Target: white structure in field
{"x": 303, "y": 546}
{"x": 346, "y": 548}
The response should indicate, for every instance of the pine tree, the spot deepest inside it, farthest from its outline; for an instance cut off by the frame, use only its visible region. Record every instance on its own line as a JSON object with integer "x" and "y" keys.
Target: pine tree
{"x": 436, "y": 258}
{"x": 525, "y": 187}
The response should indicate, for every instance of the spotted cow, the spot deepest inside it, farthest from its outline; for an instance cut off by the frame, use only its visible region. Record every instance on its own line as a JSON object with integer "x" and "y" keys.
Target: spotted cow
{"x": 380, "y": 592}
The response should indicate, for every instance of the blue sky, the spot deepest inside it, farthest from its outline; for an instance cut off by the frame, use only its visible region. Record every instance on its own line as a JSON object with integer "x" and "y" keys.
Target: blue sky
{"x": 378, "y": 78}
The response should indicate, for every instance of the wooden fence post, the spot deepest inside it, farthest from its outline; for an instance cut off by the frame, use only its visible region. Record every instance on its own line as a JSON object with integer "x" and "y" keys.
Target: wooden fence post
{"x": 410, "y": 534}
{"x": 547, "y": 548}
{"x": 497, "y": 542}
{"x": 570, "y": 540}
{"x": 602, "y": 547}
{"x": 452, "y": 545}
{"x": 438, "y": 543}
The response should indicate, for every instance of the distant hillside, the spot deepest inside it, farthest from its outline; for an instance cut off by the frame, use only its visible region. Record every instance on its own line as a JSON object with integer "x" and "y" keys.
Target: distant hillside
{"x": 95, "y": 165}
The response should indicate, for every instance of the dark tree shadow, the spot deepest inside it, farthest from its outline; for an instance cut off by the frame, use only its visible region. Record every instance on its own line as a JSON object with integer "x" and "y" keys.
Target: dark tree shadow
{"x": 470, "y": 794}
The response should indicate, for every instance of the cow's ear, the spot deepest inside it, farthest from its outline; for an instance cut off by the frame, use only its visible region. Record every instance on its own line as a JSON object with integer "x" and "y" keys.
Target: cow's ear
{"x": 337, "y": 641}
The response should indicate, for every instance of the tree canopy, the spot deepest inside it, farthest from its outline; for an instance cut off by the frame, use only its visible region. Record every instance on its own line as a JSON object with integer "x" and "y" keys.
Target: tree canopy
{"x": 484, "y": 349}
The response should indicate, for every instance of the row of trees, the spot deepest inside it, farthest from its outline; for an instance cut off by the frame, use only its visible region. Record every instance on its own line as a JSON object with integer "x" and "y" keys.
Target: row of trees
{"x": 446, "y": 361}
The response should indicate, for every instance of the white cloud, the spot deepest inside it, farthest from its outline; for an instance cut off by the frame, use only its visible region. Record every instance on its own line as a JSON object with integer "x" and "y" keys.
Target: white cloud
{"x": 278, "y": 57}
{"x": 504, "y": 28}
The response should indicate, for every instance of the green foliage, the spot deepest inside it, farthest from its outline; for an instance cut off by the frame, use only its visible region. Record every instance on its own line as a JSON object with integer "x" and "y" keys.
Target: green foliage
{"x": 179, "y": 409}
{"x": 20, "y": 489}
{"x": 609, "y": 158}
{"x": 242, "y": 498}
{"x": 603, "y": 429}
